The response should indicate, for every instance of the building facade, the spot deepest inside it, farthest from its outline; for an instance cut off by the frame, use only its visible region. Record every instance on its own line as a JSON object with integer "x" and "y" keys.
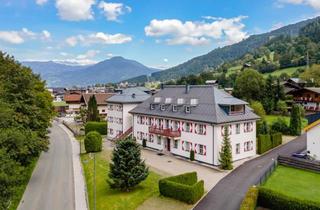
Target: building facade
{"x": 179, "y": 119}
{"x": 313, "y": 141}
{"x": 118, "y": 106}
{"x": 309, "y": 98}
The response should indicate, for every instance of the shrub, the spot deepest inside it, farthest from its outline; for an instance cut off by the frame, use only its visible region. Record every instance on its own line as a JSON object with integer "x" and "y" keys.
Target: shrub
{"x": 100, "y": 127}
{"x": 277, "y": 201}
{"x": 250, "y": 200}
{"x": 280, "y": 126}
{"x": 183, "y": 187}
{"x": 276, "y": 139}
{"x": 93, "y": 142}
{"x": 282, "y": 107}
{"x": 262, "y": 127}
{"x": 258, "y": 108}
{"x": 264, "y": 143}
{"x": 192, "y": 155}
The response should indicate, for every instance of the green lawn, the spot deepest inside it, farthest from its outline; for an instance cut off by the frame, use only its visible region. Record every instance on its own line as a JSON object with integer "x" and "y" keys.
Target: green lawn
{"x": 289, "y": 71}
{"x": 295, "y": 182}
{"x": 272, "y": 118}
{"x": 108, "y": 198}
{"x": 26, "y": 173}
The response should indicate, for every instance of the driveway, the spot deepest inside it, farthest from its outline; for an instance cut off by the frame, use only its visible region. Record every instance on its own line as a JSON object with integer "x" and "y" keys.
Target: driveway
{"x": 229, "y": 192}
{"x": 51, "y": 185}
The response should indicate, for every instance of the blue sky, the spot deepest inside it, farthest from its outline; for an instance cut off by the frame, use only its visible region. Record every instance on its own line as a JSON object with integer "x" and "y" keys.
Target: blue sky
{"x": 156, "y": 33}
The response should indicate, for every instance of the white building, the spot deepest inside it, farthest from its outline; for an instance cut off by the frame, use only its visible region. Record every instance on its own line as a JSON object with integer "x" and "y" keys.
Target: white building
{"x": 118, "y": 107}
{"x": 313, "y": 140}
{"x": 179, "y": 119}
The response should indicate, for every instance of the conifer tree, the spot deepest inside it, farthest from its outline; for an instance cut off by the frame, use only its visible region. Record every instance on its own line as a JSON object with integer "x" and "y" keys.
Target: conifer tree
{"x": 226, "y": 153}
{"x": 93, "y": 113}
{"x": 127, "y": 169}
{"x": 295, "y": 120}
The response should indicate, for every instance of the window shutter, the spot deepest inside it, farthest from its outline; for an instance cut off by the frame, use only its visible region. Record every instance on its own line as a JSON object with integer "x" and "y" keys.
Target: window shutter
{"x": 204, "y": 150}
{"x": 182, "y": 126}
{"x": 196, "y": 128}
{"x": 205, "y": 129}
{"x": 195, "y": 148}
{"x": 191, "y": 127}
{"x": 183, "y": 145}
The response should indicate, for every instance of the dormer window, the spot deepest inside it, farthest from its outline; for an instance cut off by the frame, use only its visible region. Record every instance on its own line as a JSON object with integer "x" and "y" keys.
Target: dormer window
{"x": 236, "y": 109}
{"x": 188, "y": 109}
{"x": 194, "y": 102}
{"x": 157, "y": 100}
{"x": 174, "y": 108}
{"x": 168, "y": 100}
{"x": 152, "y": 106}
{"x": 162, "y": 107}
{"x": 180, "y": 101}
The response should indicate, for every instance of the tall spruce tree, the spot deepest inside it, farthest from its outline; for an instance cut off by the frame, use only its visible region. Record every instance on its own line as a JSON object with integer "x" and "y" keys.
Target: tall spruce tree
{"x": 295, "y": 120}
{"x": 93, "y": 113}
{"x": 269, "y": 96}
{"x": 127, "y": 169}
{"x": 226, "y": 153}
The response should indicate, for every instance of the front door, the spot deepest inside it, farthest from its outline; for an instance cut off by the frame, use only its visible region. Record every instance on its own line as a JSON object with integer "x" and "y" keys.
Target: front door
{"x": 168, "y": 144}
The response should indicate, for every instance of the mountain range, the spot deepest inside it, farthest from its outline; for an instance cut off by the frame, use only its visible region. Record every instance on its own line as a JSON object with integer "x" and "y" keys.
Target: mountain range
{"x": 111, "y": 70}
{"x": 218, "y": 56}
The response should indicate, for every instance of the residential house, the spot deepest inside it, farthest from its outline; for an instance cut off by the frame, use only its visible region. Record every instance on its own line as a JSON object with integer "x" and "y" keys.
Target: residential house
{"x": 308, "y": 97}
{"x": 101, "y": 99}
{"x": 313, "y": 141}
{"x": 119, "y": 119}
{"x": 73, "y": 99}
{"x": 293, "y": 84}
{"x": 179, "y": 119}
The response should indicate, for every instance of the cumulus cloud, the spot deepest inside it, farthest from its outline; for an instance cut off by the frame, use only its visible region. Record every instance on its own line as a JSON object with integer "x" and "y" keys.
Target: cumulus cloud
{"x": 312, "y": 3}
{"x": 19, "y": 37}
{"x": 75, "y": 10}
{"x": 41, "y": 2}
{"x": 73, "y": 61}
{"x": 197, "y": 33}
{"x": 113, "y": 10}
{"x": 98, "y": 38}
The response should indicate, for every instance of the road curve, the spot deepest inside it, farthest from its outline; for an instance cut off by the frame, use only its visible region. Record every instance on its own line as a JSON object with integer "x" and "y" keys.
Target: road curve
{"x": 51, "y": 185}
{"x": 229, "y": 192}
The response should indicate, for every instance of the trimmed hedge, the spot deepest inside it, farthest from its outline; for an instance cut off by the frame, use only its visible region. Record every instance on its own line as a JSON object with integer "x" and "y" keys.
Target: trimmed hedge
{"x": 264, "y": 143}
{"x": 100, "y": 127}
{"x": 276, "y": 139}
{"x": 277, "y": 201}
{"x": 267, "y": 142}
{"x": 250, "y": 200}
{"x": 93, "y": 142}
{"x": 184, "y": 187}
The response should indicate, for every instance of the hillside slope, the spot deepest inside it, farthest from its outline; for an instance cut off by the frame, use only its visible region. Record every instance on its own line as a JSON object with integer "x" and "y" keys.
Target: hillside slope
{"x": 225, "y": 54}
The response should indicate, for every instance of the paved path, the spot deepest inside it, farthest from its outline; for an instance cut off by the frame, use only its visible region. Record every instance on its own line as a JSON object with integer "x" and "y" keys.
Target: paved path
{"x": 229, "y": 192}
{"x": 51, "y": 185}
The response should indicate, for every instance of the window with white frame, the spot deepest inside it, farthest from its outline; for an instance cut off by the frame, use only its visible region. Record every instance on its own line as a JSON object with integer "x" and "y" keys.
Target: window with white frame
{"x": 248, "y": 146}
{"x": 111, "y": 131}
{"x": 151, "y": 137}
{"x": 159, "y": 140}
{"x": 180, "y": 101}
{"x": 174, "y": 108}
{"x": 187, "y": 127}
{"x": 201, "y": 149}
{"x": 175, "y": 125}
{"x": 200, "y": 129}
{"x": 152, "y": 106}
{"x": 162, "y": 107}
{"x": 149, "y": 120}
{"x": 166, "y": 123}
{"x": 238, "y": 128}
{"x": 175, "y": 144}
{"x": 187, "y": 146}
{"x": 237, "y": 148}
{"x": 187, "y": 109}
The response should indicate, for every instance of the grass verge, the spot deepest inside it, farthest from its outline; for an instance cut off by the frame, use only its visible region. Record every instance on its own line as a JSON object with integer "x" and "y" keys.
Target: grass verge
{"x": 273, "y": 118}
{"x": 296, "y": 183}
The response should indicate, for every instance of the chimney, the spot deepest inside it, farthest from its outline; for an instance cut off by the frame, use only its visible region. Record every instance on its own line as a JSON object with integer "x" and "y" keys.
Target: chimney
{"x": 133, "y": 95}
{"x": 187, "y": 89}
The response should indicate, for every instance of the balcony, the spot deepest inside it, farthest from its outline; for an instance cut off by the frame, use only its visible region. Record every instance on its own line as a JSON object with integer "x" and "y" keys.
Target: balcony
{"x": 307, "y": 99}
{"x": 164, "y": 132}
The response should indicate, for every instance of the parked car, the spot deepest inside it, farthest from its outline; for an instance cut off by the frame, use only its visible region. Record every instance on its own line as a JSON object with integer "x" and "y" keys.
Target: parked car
{"x": 300, "y": 155}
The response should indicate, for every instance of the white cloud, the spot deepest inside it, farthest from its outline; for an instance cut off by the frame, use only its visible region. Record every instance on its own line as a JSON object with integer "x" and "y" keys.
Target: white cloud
{"x": 64, "y": 54}
{"x": 75, "y": 10}
{"x": 12, "y": 37}
{"x": 110, "y": 55}
{"x": 197, "y": 33}
{"x": 89, "y": 54}
{"x": 165, "y": 60}
{"x": 312, "y": 3}
{"x": 19, "y": 37}
{"x": 113, "y": 10}
{"x": 41, "y": 2}
{"x": 98, "y": 38}
{"x": 73, "y": 61}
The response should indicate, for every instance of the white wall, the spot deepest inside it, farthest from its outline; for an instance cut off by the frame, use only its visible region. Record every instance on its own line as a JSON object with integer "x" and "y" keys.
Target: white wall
{"x": 127, "y": 117}
{"x": 313, "y": 142}
{"x": 235, "y": 139}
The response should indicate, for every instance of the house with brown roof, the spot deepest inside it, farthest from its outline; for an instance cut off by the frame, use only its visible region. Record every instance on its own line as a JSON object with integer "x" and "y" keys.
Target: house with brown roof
{"x": 73, "y": 99}
{"x": 308, "y": 97}
{"x": 101, "y": 99}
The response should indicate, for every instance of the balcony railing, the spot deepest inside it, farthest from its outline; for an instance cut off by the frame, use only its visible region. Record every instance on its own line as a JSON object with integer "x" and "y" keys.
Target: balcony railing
{"x": 307, "y": 99}
{"x": 165, "y": 132}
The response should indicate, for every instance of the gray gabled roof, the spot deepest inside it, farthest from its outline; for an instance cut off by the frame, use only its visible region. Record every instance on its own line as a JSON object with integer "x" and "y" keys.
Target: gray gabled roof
{"x": 210, "y": 99}
{"x": 129, "y": 95}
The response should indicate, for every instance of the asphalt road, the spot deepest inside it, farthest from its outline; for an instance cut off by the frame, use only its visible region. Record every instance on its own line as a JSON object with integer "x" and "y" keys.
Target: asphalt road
{"x": 51, "y": 186}
{"x": 229, "y": 192}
